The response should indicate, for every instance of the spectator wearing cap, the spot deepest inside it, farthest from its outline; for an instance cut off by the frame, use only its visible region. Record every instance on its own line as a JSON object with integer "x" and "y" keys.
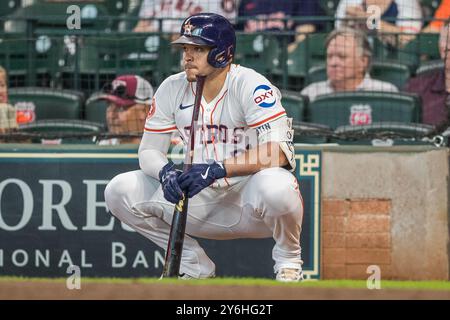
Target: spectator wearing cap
{"x": 434, "y": 86}
{"x": 130, "y": 100}
{"x": 348, "y": 63}
{"x": 7, "y": 112}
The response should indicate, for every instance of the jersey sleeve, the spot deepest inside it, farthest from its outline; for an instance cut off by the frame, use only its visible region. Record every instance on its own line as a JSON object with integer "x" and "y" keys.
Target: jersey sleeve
{"x": 160, "y": 118}
{"x": 409, "y": 16}
{"x": 261, "y": 100}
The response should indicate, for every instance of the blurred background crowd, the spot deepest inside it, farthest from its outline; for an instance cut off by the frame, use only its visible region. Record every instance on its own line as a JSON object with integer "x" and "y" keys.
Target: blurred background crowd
{"x": 344, "y": 66}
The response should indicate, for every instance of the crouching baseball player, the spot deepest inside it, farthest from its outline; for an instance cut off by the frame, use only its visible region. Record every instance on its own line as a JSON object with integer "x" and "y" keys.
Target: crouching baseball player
{"x": 239, "y": 186}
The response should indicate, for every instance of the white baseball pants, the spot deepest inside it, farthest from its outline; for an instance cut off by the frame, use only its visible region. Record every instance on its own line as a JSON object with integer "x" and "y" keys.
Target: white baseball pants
{"x": 266, "y": 204}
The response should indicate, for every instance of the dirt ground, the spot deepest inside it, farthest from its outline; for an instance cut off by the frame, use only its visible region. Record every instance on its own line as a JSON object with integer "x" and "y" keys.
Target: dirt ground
{"x": 138, "y": 291}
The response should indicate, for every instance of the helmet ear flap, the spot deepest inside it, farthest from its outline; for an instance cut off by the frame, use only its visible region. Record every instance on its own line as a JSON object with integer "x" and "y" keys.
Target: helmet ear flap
{"x": 220, "y": 59}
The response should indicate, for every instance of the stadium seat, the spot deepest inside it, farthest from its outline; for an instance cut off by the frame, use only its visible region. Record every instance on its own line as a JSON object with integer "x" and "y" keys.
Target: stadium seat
{"x": 392, "y": 72}
{"x": 309, "y": 52}
{"x": 257, "y": 51}
{"x": 30, "y": 62}
{"x": 429, "y": 7}
{"x": 95, "y": 109}
{"x": 423, "y": 47}
{"x": 363, "y": 107}
{"x": 129, "y": 19}
{"x": 148, "y": 55}
{"x": 329, "y": 6}
{"x": 395, "y": 73}
{"x": 34, "y": 104}
{"x": 52, "y": 16}
{"x": 428, "y": 66}
{"x": 294, "y": 104}
{"x": 117, "y": 7}
{"x": 384, "y": 134}
{"x": 311, "y": 133}
{"x": 69, "y": 131}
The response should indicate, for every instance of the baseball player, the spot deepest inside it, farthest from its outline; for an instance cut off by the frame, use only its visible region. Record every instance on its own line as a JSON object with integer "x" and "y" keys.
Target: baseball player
{"x": 241, "y": 183}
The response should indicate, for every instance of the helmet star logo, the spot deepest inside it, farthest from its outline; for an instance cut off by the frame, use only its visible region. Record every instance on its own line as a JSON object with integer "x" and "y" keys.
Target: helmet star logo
{"x": 188, "y": 27}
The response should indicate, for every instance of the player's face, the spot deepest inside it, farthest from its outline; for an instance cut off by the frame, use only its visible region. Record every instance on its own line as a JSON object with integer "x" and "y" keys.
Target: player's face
{"x": 122, "y": 120}
{"x": 345, "y": 60}
{"x": 195, "y": 61}
{"x": 3, "y": 89}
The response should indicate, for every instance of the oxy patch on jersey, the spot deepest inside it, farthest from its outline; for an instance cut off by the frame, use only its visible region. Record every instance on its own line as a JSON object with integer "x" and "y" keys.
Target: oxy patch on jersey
{"x": 264, "y": 96}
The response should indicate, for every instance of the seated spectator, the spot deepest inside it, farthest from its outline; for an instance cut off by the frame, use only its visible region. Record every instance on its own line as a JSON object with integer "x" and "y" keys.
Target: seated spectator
{"x": 348, "y": 63}
{"x": 130, "y": 99}
{"x": 8, "y": 121}
{"x": 179, "y": 9}
{"x": 270, "y": 10}
{"x": 434, "y": 86}
{"x": 397, "y": 16}
{"x": 441, "y": 14}
{"x": 274, "y": 15}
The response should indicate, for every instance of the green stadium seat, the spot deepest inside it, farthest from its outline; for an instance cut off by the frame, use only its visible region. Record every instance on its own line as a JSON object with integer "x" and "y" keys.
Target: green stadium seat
{"x": 423, "y": 47}
{"x": 363, "y": 107}
{"x": 428, "y": 66}
{"x": 95, "y": 109}
{"x": 429, "y": 7}
{"x": 384, "y": 134}
{"x": 30, "y": 62}
{"x": 311, "y": 133}
{"x": 294, "y": 104}
{"x": 148, "y": 55}
{"x": 309, "y": 52}
{"x": 329, "y": 6}
{"x": 34, "y": 104}
{"x": 395, "y": 73}
{"x": 52, "y": 16}
{"x": 129, "y": 19}
{"x": 117, "y": 7}
{"x": 257, "y": 51}
{"x": 69, "y": 131}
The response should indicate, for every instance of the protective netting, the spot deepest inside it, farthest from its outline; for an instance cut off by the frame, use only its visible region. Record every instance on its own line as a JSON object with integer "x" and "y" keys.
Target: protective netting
{"x": 351, "y": 71}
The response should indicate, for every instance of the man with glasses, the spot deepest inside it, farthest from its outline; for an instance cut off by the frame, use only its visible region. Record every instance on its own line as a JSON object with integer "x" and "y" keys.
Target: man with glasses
{"x": 130, "y": 99}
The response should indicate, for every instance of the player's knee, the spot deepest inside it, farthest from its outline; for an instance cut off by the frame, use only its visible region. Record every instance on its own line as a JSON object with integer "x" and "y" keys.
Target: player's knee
{"x": 114, "y": 194}
{"x": 280, "y": 191}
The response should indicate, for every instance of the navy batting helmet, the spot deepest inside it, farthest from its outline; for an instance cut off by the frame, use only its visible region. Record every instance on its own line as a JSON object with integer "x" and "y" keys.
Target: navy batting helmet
{"x": 213, "y": 30}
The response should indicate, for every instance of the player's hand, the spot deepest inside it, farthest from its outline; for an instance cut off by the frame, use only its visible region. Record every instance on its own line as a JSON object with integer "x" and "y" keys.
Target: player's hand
{"x": 168, "y": 178}
{"x": 200, "y": 176}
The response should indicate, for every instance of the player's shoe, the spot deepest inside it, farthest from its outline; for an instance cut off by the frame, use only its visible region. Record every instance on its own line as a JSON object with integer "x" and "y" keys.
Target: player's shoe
{"x": 289, "y": 275}
{"x": 185, "y": 276}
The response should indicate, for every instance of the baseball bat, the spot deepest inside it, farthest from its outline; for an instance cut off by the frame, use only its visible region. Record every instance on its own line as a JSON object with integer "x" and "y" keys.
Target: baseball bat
{"x": 178, "y": 226}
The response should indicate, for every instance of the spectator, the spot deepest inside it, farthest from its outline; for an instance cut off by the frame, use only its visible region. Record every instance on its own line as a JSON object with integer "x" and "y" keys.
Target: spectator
{"x": 348, "y": 63}
{"x": 179, "y": 9}
{"x": 442, "y": 13}
{"x": 397, "y": 16}
{"x": 129, "y": 98}
{"x": 434, "y": 86}
{"x": 268, "y": 11}
{"x": 8, "y": 120}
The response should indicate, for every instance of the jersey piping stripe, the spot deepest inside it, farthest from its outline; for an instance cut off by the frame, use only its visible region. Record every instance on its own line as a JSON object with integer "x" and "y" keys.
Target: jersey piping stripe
{"x": 161, "y": 130}
{"x": 279, "y": 114}
{"x": 213, "y": 137}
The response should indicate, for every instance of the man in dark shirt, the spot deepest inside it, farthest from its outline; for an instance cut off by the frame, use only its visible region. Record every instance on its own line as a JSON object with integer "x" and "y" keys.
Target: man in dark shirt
{"x": 434, "y": 86}
{"x": 271, "y": 10}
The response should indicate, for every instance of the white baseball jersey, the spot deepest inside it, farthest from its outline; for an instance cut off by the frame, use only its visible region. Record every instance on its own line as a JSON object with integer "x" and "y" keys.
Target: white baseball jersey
{"x": 227, "y": 123}
{"x": 183, "y": 9}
